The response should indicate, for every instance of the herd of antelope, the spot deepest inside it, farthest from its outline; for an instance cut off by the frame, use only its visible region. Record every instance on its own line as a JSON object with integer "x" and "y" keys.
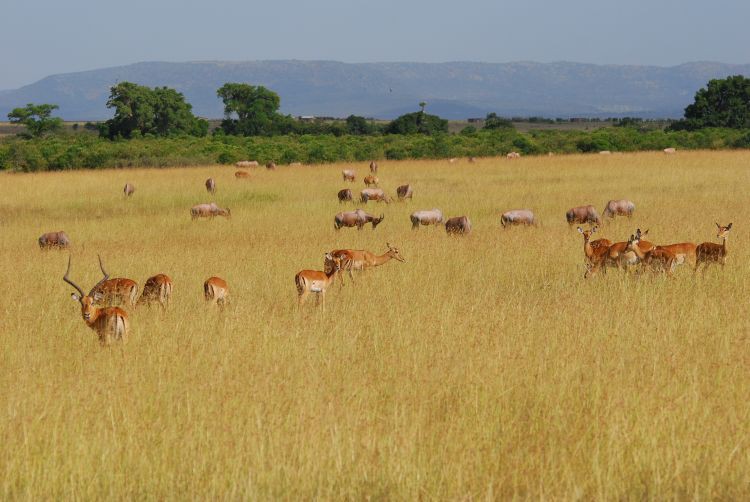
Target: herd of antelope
{"x": 102, "y": 310}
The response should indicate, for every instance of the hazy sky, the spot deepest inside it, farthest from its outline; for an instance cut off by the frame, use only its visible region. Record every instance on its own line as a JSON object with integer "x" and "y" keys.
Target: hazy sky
{"x": 44, "y": 37}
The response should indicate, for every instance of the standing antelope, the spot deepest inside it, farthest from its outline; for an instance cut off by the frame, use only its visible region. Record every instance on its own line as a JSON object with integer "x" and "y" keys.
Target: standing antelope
{"x": 128, "y": 190}
{"x": 271, "y": 166}
{"x": 157, "y": 289}
{"x": 371, "y": 180}
{"x": 359, "y": 259}
{"x": 375, "y": 194}
{"x": 658, "y": 259}
{"x": 314, "y": 281}
{"x": 517, "y": 217}
{"x": 345, "y": 195}
{"x": 110, "y": 323}
{"x": 117, "y": 290}
{"x": 622, "y": 207}
{"x": 208, "y": 211}
{"x": 241, "y": 174}
{"x": 620, "y": 257}
{"x": 431, "y": 217}
{"x": 513, "y": 155}
{"x": 683, "y": 252}
{"x": 357, "y": 218}
{"x": 211, "y": 186}
{"x": 583, "y": 214}
{"x": 709, "y": 252}
{"x": 595, "y": 255}
{"x": 216, "y": 290}
{"x": 349, "y": 175}
{"x": 246, "y": 163}
{"x": 458, "y": 225}
{"x": 472, "y": 159}
{"x": 54, "y": 240}
{"x": 374, "y": 167}
{"x": 404, "y": 192}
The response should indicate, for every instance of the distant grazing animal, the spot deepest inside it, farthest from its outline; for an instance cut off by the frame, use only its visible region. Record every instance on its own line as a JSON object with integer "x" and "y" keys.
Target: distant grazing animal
{"x": 246, "y": 163}
{"x": 157, "y": 289}
{"x": 315, "y": 281}
{"x": 216, "y": 291}
{"x": 271, "y": 166}
{"x": 453, "y": 160}
{"x": 211, "y": 186}
{"x": 670, "y": 151}
{"x": 357, "y": 218}
{"x": 513, "y": 155}
{"x": 128, "y": 190}
{"x": 241, "y": 174}
{"x": 119, "y": 290}
{"x": 605, "y": 152}
{"x": 404, "y": 192}
{"x": 458, "y": 225}
{"x": 349, "y": 175}
{"x": 517, "y": 217}
{"x": 54, "y": 240}
{"x": 295, "y": 164}
{"x": 427, "y": 217}
{"x": 374, "y": 194}
{"x": 583, "y": 214}
{"x": 110, "y": 324}
{"x": 472, "y": 159}
{"x": 709, "y": 252}
{"x": 208, "y": 211}
{"x": 658, "y": 259}
{"x": 374, "y": 167}
{"x": 345, "y": 195}
{"x": 622, "y": 207}
{"x": 359, "y": 259}
{"x": 371, "y": 180}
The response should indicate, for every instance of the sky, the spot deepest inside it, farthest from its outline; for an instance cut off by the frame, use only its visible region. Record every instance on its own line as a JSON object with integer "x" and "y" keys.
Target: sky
{"x": 44, "y": 37}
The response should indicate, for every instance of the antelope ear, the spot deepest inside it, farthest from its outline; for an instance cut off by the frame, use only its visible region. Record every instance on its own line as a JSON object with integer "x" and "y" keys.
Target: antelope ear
{"x": 580, "y": 230}
{"x": 729, "y": 226}
{"x": 75, "y": 297}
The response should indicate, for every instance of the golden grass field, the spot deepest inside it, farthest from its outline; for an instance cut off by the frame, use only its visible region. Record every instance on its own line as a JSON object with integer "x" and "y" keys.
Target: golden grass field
{"x": 484, "y": 367}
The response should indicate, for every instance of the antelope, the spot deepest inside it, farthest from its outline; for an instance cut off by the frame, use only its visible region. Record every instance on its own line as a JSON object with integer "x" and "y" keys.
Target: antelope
{"x": 452, "y": 160}
{"x": 357, "y": 218}
{"x": 472, "y": 159}
{"x": 208, "y": 211}
{"x": 157, "y": 289}
{"x": 54, "y": 240}
{"x": 582, "y": 214}
{"x": 658, "y": 259}
{"x": 513, "y": 155}
{"x": 709, "y": 252}
{"x": 605, "y": 152}
{"x": 359, "y": 259}
{"x": 216, "y": 291}
{"x": 622, "y": 207}
{"x": 458, "y": 225}
{"x": 110, "y": 323}
{"x": 345, "y": 195}
{"x": 595, "y": 255}
{"x": 349, "y": 175}
{"x": 404, "y": 192}
{"x": 246, "y": 163}
{"x": 517, "y": 217}
{"x": 670, "y": 151}
{"x": 314, "y": 281}
{"x": 376, "y": 194}
{"x": 371, "y": 180}
{"x": 619, "y": 256}
{"x": 128, "y": 190}
{"x": 211, "y": 186}
{"x": 241, "y": 174}
{"x": 374, "y": 167}
{"x": 431, "y": 217}
{"x": 683, "y": 252}
{"x": 271, "y": 166}
{"x": 117, "y": 290}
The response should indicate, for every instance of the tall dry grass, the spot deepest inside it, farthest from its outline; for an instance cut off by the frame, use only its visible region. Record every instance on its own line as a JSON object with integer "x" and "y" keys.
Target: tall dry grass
{"x": 483, "y": 367}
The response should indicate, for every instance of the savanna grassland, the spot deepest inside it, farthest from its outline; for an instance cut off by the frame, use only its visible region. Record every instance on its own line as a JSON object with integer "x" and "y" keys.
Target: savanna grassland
{"x": 483, "y": 367}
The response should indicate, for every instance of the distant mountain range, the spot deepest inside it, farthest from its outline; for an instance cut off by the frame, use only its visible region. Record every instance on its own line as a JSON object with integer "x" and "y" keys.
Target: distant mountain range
{"x": 385, "y": 90}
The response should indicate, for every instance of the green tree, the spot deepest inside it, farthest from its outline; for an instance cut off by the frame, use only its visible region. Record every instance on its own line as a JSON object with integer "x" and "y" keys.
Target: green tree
{"x": 492, "y": 121}
{"x": 722, "y": 103}
{"x": 251, "y": 111}
{"x": 36, "y": 118}
{"x": 358, "y": 126}
{"x": 417, "y": 123}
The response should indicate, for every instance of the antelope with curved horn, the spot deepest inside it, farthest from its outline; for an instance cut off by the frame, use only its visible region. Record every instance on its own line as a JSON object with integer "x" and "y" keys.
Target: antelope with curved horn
{"x": 216, "y": 290}
{"x": 117, "y": 290}
{"x": 315, "y": 281}
{"x": 110, "y": 323}
{"x": 658, "y": 259}
{"x": 359, "y": 259}
{"x": 157, "y": 289}
{"x": 710, "y": 252}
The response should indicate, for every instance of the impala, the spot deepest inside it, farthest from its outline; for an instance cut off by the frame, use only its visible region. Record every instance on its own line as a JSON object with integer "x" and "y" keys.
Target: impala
{"x": 117, "y": 290}
{"x": 709, "y": 252}
{"x": 595, "y": 255}
{"x": 315, "y": 281}
{"x": 157, "y": 289}
{"x": 371, "y": 180}
{"x": 128, "y": 190}
{"x": 683, "y": 252}
{"x": 658, "y": 259}
{"x": 211, "y": 186}
{"x": 348, "y": 175}
{"x": 619, "y": 256}
{"x": 216, "y": 290}
{"x": 109, "y": 323}
{"x": 54, "y": 240}
{"x": 359, "y": 259}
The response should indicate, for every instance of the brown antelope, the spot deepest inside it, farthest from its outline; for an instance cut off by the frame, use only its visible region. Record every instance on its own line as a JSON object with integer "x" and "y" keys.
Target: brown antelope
{"x": 211, "y": 186}
{"x": 513, "y": 155}
{"x": 658, "y": 259}
{"x": 622, "y": 207}
{"x": 374, "y": 167}
{"x": 458, "y": 225}
{"x": 345, "y": 195}
{"x": 314, "y": 281}
{"x": 619, "y": 256}
{"x": 371, "y": 180}
{"x": 208, "y": 211}
{"x": 583, "y": 214}
{"x": 216, "y": 291}
{"x": 595, "y": 255}
{"x": 241, "y": 174}
{"x": 357, "y": 218}
{"x": 54, "y": 240}
{"x": 426, "y": 217}
{"x": 709, "y": 252}
{"x": 349, "y": 175}
{"x": 110, "y": 323}
{"x": 374, "y": 194}
{"x": 684, "y": 252}
{"x": 404, "y": 192}
{"x": 157, "y": 289}
{"x": 517, "y": 217}
{"x": 119, "y": 290}
{"x": 359, "y": 259}
{"x": 128, "y": 190}
{"x": 271, "y": 166}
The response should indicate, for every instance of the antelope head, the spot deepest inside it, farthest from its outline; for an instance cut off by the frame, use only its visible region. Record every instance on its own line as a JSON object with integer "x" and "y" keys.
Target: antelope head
{"x": 376, "y": 221}
{"x": 721, "y": 232}
{"x": 394, "y": 253}
{"x": 87, "y": 301}
{"x": 587, "y": 233}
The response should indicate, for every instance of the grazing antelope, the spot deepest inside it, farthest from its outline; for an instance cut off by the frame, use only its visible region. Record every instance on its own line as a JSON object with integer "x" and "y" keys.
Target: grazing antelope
{"x": 517, "y": 217}
{"x": 157, "y": 289}
{"x": 211, "y": 186}
{"x": 622, "y": 207}
{"x": 670, "y": 151}
{"x": 404, "y": 192}
{"x": 374, "y": 167}
{"x": 128, "y": 190}
{"x": 271, "y": 166}
{"x": 241, "y": 174}
{"x": 513, "y": 155}
{"x": 431, "y": 217}
{"x": 371, "y": 180}
{"x": 657, "y": 259}
{"x": 345, "y": 195}
{"x": 246, "y": 163}
{"x": 595, "y": 255}
{"x": 452, "y": 160}
{"x": 349, "y": 175}
{"x": 620, "y": 257}
{"x": 314, "y": 281}
{"x": 54, "y": 240}
{"x": 709, "y": 252}
{"x": 110, "y": 323}
{"x": 605, "y": 152}
{"x": 458, "y": 225}
{"x": 376, "y": 194}
{"x": 583, "y": 214}
{"x": 208, "y": 211}
{"x": 357, "y": 218}
{"x": 359, "y": 259}
{"x": 119, "y": 290}
{"x": 216, "y": 291}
